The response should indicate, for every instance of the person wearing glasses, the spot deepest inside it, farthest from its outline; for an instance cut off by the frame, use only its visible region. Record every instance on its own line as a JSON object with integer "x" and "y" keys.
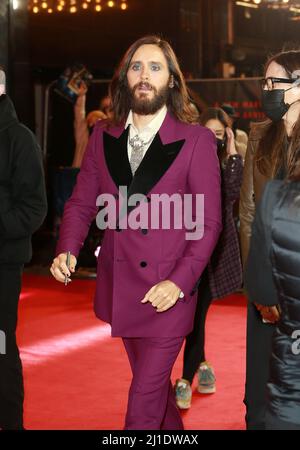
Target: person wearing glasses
{"x": 272, "y": 149}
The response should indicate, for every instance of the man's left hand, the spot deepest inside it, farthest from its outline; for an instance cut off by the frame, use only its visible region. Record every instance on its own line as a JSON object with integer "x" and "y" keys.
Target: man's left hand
{"x": 163, "y": 295}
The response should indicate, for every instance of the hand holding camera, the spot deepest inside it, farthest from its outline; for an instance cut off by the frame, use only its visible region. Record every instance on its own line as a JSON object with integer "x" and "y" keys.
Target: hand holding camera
{"x": 74, "y": 82}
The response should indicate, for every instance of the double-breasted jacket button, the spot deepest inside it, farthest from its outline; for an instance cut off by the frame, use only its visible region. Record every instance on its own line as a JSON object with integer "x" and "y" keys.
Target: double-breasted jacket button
{"x": 143, "y": 264}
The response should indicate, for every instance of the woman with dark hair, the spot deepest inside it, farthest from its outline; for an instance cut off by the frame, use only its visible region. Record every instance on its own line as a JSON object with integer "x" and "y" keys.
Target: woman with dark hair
{"x": 272, "y": 153}
{"x": 223, "y": 274}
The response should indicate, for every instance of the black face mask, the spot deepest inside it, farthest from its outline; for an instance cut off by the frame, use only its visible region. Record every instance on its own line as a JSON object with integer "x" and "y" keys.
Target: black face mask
{"x": 273, "y": 104}
{"x": 221, "y": 144}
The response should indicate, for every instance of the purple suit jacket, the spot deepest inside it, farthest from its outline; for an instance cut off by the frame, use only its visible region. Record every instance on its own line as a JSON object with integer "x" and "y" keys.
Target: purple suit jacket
{"x": 181, "y": 159}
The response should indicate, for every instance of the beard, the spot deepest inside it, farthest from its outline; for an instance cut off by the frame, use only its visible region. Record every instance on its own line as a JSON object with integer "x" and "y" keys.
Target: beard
{"x": 144, "y": 106}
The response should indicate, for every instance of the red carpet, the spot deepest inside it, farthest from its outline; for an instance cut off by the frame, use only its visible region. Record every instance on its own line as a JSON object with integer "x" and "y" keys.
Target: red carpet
{"x": 77, "y": 376}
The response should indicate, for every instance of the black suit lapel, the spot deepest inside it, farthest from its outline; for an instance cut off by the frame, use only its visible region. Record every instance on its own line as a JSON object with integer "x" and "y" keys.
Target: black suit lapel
{"x": 154, "y": 165}
{"x": 116, "y": 157}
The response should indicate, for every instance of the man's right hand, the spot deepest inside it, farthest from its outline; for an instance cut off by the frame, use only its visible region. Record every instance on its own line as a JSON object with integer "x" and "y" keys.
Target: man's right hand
{"x": 59, "y": 267}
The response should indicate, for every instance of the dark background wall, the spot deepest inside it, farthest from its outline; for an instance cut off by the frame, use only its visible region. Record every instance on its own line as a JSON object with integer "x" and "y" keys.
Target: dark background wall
{"x": 198, "y": 30}
{"x": 259, "y": 33}
{"x": 14, "y": 56}
{"x": 99, "y": 40}
{"x": 37, "y": 47}
{"x": 4, "y": 34}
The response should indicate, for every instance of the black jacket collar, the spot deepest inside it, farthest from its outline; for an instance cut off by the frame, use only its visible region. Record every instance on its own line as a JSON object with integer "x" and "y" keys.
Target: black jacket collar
{"x": 8, "y": 114}
{"x": 154, "y": 165}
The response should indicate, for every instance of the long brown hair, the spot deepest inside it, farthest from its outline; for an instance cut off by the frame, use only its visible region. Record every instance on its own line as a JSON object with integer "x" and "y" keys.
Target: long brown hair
{"x": 179, "y": 102}
{"x": 276, "y": 151}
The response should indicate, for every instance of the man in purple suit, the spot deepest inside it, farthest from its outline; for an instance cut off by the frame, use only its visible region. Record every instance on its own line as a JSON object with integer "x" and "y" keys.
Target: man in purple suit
{"x": 147, "y": 275}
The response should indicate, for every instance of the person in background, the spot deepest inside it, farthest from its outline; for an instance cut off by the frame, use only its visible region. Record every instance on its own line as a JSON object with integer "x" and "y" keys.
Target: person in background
{"x": 83, "y": 127}
{"x": 23, "y": 207}
{"x": 223, "y": 275}
{"x": 84, "y": 123}
{"x": 240, "y": 136}
{"x": 106, "y": 106}
{"x": 272, "y": 149}
{"x": 66, "y": 177}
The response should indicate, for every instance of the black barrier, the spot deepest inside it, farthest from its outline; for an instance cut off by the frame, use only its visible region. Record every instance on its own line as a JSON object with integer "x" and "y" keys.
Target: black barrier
{"x": 241, "y": 93}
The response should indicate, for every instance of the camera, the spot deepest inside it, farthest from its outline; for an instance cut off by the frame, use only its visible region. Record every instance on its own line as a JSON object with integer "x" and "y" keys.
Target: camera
{"x": 68, "y": 84}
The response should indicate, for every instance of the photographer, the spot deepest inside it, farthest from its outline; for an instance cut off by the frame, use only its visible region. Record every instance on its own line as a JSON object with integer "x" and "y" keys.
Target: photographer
{"x": 83, "y": 124}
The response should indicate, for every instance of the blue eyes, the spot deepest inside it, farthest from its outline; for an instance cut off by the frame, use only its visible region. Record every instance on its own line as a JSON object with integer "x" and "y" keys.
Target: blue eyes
{"x": 153, "y": 67}
{"x": 136, "y": 67}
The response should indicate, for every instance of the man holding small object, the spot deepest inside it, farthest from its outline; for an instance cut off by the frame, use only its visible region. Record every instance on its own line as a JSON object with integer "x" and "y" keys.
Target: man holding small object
{"x": 146, "y": 277}
{"x": 67, "y": 279}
